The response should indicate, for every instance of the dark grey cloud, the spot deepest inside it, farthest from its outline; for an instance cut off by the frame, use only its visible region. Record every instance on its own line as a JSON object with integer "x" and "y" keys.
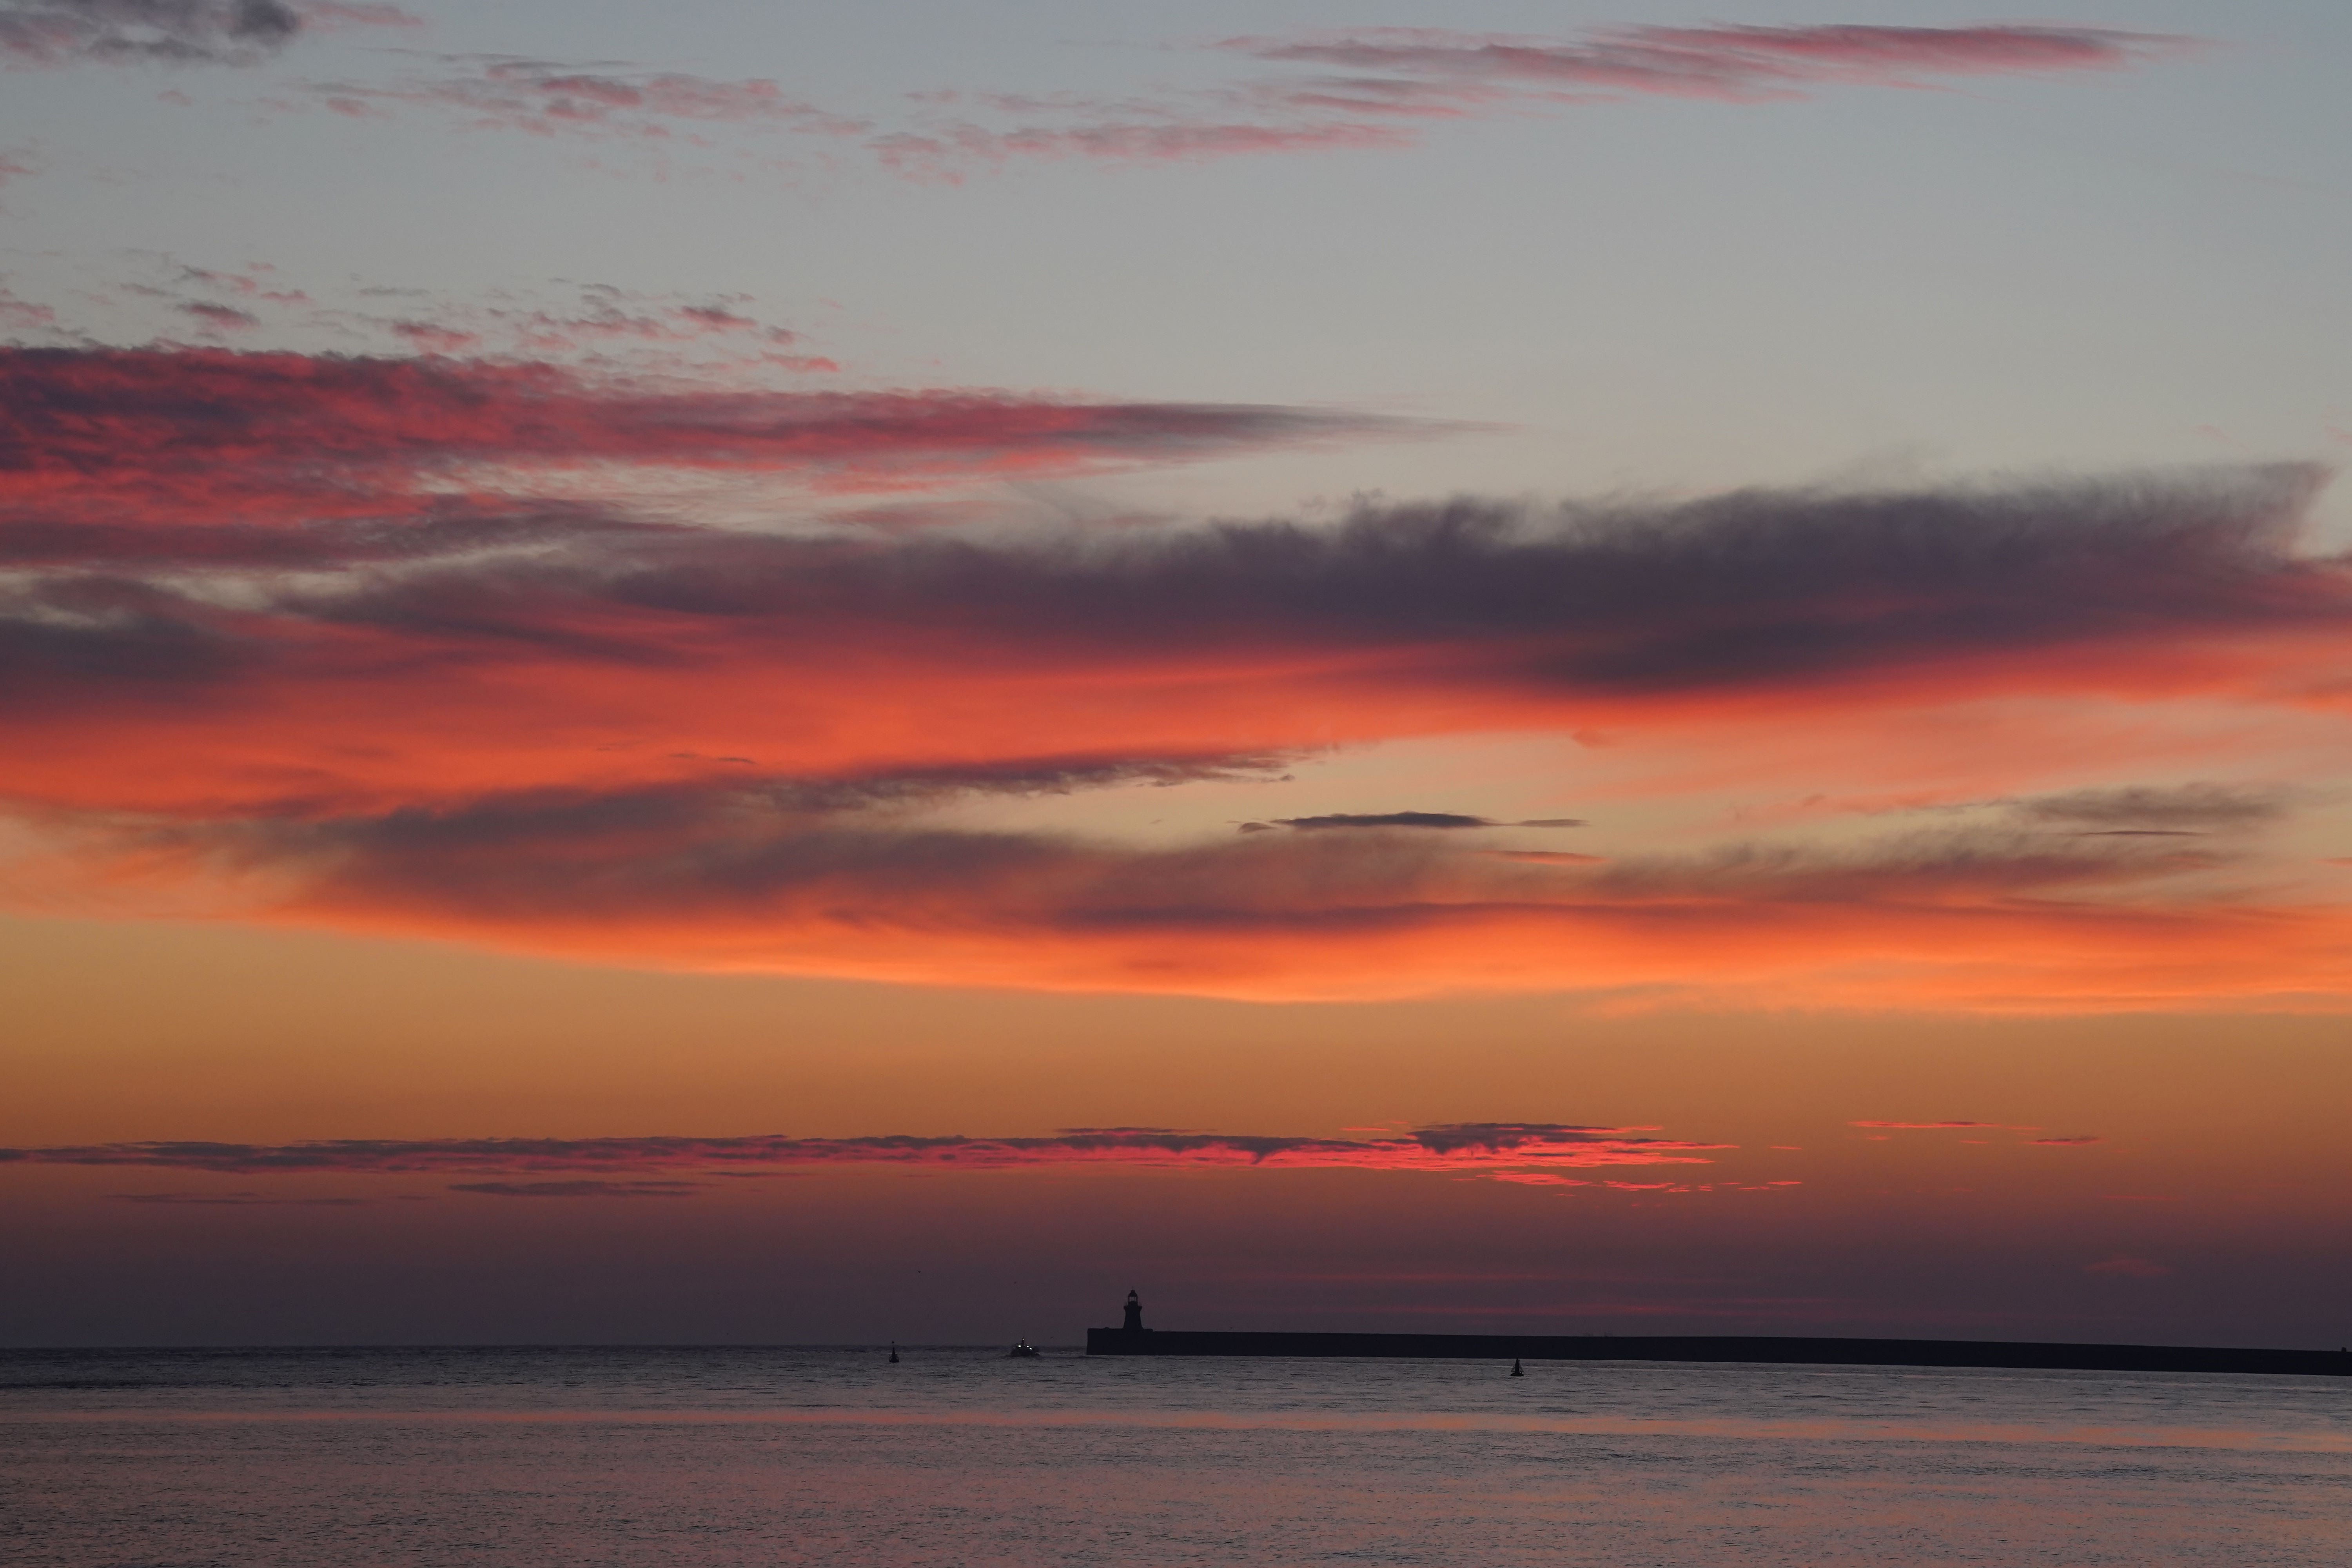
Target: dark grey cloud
{"x": 1438, "y": 819}
{"x": 1014, "y": 776}
{"x": 1903, "y": 868}
{"x": 1406, "y": 819}
{"x": 582, "y": 1189}
{"x": 1748, "y": 590}
{"x": 180, "y": 32}
{"x": 244, "y": 1200}
{"x": 250, "y": 462}
{"x": 724, "y": 857}
{"x": 2152, "y": 809}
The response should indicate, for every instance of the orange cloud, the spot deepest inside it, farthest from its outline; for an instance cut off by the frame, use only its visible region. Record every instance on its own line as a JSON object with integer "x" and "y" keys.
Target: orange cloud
{"x": 262, "y": 661}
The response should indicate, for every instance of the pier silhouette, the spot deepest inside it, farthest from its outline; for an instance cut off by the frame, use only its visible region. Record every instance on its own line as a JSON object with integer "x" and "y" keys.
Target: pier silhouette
{"x": 1131, "y": 1338}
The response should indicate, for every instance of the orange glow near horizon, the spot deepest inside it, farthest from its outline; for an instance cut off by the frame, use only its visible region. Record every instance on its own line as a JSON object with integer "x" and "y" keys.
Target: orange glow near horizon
{"x": 490, "y": 861}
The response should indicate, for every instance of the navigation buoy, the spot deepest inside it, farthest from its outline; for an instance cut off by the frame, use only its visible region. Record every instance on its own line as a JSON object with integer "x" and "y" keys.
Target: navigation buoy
{"x": 1516, "y": 1370}
{"x": 894, "y": 1353}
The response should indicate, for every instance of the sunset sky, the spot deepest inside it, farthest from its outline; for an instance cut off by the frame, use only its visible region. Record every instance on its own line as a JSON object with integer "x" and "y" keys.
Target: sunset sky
{"x": 775, "y": 673}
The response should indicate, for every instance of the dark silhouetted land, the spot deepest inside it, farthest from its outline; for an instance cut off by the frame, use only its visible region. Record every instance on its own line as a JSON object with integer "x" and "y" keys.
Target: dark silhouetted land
{"x": 1752, "y": 1348}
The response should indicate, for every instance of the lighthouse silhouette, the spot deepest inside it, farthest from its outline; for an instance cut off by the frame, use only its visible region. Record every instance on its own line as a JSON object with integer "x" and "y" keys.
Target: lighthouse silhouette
{"x": 1134, "y": 1321}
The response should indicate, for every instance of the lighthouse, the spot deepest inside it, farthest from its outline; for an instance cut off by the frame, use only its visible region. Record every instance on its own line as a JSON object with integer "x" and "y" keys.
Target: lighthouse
{"x": 1134, "y": 1321}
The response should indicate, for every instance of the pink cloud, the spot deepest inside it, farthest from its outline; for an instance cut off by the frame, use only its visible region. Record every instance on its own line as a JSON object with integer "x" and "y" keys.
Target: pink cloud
{"x": 1376, "y": 89}
{"x": 220, "y": 318}
{"x": 1400, "y": 81}
{"x": 22, "y": 315}
{"x": 550, "y": 98}
{"x": 1732, "y": 63}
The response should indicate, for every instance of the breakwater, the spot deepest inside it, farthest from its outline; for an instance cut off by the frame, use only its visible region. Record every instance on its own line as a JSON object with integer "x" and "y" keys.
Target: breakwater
{"x": 1750, "y": 1348}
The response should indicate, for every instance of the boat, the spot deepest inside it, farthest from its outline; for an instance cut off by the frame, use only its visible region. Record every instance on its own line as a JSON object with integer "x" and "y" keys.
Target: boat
{"x": 1023, "y": 1351}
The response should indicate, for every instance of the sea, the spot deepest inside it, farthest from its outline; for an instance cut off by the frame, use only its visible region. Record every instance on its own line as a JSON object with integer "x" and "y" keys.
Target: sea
{"x": 687, "y": 1458}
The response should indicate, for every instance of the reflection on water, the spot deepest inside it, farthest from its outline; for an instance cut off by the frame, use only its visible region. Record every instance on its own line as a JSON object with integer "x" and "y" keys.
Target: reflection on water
{"x": 689, "y": 1457}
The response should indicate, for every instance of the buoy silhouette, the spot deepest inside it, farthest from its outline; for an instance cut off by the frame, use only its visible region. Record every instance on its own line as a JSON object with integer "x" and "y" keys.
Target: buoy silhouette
{"x": 1516, "y": 1370}
{"x": 894, "y": 1353}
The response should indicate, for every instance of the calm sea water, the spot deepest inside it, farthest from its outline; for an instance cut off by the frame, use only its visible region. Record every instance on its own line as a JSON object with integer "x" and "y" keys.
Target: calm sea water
{"x": 681, "y": 1459}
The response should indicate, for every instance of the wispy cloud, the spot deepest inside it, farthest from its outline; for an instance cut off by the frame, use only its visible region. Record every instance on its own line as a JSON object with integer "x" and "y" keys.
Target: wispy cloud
{"x": 249, "y": 1199}
{"x": 2181, "y": 808}
{"x": 1741, "y": 64}
{"x": 1440, "y": 820}
{"x": 548, "y": 98}
{"x": 1383, "y": 87}
{"x": 600, "y": 331}
{"x": 625, "y": 1167}
{"x": 1362, "y": 89}
{"x": 705, "y": 878}
{"x": 583, "y": 1189}
{"x": 2075, "y": 1141}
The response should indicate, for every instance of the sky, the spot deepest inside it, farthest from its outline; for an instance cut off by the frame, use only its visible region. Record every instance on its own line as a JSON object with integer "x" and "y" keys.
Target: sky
{"x": 786, "y": 674}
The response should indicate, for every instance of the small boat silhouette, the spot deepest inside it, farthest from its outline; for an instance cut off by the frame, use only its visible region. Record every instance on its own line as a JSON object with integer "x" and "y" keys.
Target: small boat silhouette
{"x": 1023, "y": 1351}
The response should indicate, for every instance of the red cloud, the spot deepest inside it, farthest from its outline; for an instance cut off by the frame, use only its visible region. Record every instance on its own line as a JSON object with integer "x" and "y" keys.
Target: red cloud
{"x": 1508, "y": 1150}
